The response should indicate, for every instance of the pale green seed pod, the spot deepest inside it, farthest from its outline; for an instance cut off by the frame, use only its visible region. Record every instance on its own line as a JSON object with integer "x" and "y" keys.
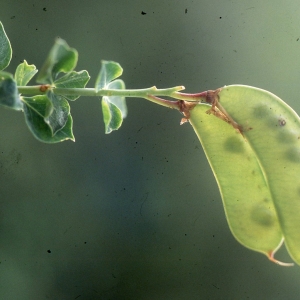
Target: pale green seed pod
{"x": 257, "y": 166}
{"x": 272, "y": 129}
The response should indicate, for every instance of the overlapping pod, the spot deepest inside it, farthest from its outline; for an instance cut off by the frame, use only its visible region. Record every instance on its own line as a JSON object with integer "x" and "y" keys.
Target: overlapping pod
{"x": 257, "y": 166}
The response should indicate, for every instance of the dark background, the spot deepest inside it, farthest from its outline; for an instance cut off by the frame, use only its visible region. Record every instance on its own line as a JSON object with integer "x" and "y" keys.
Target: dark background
{"x": 137, "y": 214}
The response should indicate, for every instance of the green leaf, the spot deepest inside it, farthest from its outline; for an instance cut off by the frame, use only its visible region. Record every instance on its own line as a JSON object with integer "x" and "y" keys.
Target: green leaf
{"x": 24, "y": 73}
{"x": 61, "y": 58}
{"x": 118, "y": 101}
{"x": 9, "y": 96}
{"x": 73, "y": 80}
{"x": 109, "y": 71}
{"x": 246, "y": 197}
{"x": 114, "y": 107}
{"x": 112, "y": 115}
{"x": 5, "y": 49}
{"x": 58, "y": 115}
{"x": 36, "y": 109}
{"x": 40, "y": 105}
{"x": 268, "y": 131}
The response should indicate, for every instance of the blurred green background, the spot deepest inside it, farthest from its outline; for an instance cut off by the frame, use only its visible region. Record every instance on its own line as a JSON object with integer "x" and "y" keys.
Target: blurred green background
{"x": 137, "y": 214}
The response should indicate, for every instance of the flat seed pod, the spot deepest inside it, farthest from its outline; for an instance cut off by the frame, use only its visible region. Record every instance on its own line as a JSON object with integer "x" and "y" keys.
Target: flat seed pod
{"x": 246, "y": 196}
{"x": 272, "y": 130}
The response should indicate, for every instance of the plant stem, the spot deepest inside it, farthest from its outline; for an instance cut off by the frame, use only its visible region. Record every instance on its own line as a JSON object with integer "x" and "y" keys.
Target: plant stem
{"x": 169, "y": 92}
{"x": 41, "y": 89}
{"x": 198, "y": 97}
{"x": 163, "y": 102}
{"x": 152, "y": 94}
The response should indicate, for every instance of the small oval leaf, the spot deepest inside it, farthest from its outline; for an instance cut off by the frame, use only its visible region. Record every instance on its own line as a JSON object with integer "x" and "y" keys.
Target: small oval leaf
{"x": 60, "y": 111}
{"x": 24, "y": 73}
{"x": 9, "y": 96}
{"x": 119, "y": 101}
{"x": 35, "y": 110}
{"x": 112, "y": 115}
{"x": 5, "y": 49}
{"x": 61, "y": 58}
{"x": 109, "y": 71}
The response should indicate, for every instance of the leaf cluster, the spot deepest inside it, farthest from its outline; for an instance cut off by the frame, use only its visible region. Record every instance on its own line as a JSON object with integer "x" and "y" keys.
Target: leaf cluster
{"x": 47, "y": 114}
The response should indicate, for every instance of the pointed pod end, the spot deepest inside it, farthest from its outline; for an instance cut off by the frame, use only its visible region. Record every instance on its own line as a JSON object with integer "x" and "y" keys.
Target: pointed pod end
{"x": 280, "y": 263}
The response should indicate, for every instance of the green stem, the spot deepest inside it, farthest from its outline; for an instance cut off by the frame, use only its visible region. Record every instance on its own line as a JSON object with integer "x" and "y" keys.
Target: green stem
{"x": 151, "y": 94}
{"x": 41, "y": 89}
